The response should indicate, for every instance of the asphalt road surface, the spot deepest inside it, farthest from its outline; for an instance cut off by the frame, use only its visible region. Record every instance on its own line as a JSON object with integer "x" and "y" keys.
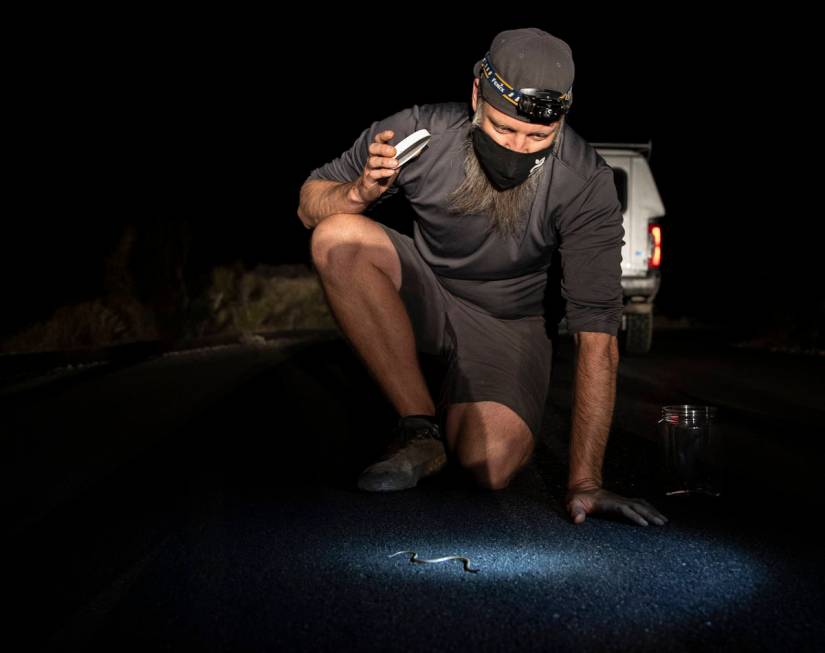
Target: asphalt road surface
{"x": 207, "y": 499}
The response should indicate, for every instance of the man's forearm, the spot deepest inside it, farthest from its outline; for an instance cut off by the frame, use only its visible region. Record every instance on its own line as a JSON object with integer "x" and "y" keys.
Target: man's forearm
{"x": 321, "y": 198}
{"x": 594, "y": 396}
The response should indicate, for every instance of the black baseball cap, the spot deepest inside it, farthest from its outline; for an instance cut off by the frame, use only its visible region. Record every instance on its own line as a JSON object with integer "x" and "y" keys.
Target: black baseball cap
{"x": 526, "y": 58}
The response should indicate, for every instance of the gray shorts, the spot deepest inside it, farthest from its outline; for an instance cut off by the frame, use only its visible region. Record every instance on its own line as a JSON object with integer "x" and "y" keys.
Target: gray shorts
{"x": 488, "y": 358}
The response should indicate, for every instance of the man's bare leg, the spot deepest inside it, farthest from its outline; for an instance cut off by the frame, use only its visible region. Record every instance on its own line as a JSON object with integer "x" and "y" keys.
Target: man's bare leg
{"x": 369, "y": 311}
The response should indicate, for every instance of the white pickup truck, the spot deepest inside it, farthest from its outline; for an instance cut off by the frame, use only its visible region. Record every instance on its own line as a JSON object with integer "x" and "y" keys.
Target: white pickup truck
{"x": 642, "y": 252}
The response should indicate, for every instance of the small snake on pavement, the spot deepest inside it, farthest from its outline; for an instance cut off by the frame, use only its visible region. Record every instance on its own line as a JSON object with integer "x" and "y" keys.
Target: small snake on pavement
{"x": 415, "y": 558}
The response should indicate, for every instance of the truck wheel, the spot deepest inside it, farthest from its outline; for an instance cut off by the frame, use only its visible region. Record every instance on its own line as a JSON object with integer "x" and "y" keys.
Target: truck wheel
{"x": 639, "y": 333}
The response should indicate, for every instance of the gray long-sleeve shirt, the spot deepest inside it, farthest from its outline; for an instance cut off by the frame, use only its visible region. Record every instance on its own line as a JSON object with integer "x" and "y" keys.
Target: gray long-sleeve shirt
{"x": 576, "y": 209}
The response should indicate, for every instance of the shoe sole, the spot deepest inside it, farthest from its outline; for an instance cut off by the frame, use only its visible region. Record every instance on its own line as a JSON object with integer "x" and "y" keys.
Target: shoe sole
{"x": 384, "y": 483}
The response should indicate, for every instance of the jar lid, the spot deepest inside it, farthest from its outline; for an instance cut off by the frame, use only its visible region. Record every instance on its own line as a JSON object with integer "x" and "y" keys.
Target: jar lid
{"x": 689, "y": 411}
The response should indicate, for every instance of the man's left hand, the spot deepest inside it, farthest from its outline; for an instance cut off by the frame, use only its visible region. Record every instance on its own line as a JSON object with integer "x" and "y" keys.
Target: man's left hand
{"x": 584, "y": 501}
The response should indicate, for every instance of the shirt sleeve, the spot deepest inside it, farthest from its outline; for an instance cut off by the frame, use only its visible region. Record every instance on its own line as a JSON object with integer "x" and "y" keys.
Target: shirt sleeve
{"x": 350, "y": 164}
{"x": 591, "y": 236}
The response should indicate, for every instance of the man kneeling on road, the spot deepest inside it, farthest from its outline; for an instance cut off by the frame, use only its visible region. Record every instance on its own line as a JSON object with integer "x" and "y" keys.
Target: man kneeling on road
{"x": 494, "y": 194}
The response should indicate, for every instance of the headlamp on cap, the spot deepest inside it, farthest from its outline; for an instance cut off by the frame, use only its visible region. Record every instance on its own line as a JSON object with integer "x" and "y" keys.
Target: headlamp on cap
{"x": 538, "y": 105}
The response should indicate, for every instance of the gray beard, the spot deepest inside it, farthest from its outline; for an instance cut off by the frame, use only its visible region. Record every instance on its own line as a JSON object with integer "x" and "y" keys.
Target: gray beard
{"x": 477, "y": 196}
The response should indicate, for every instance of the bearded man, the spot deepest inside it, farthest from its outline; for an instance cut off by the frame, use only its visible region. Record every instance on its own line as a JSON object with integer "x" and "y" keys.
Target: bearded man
{"x": 495, "y": 191}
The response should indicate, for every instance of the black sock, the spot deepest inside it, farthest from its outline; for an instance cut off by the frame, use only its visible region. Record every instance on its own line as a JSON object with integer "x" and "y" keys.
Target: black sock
{"x": 419, "y": 421}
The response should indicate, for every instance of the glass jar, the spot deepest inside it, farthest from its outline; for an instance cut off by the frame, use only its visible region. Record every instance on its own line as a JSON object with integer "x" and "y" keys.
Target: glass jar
{"x": 690, "y": 449}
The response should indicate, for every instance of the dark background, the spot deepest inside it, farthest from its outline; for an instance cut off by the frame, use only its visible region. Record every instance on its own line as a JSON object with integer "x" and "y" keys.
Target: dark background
{"x": 204, "y": 126}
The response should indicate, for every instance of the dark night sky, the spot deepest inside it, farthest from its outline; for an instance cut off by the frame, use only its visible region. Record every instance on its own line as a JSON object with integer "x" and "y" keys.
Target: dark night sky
{"x": 216, "y": 120}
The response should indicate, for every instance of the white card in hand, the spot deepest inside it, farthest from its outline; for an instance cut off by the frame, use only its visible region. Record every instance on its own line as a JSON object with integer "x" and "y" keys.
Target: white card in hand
{"x": 411, "y": 147}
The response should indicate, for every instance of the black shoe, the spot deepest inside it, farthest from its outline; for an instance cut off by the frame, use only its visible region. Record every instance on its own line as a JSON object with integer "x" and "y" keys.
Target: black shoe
{"x": 417, "y": 451}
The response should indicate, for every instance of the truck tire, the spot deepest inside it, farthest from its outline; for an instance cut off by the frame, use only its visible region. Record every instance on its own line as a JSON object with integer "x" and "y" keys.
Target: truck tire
{"x": 639, "y": 333}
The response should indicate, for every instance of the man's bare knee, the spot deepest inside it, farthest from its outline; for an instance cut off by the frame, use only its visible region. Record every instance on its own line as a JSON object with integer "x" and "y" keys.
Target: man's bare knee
{"x": 344, "y": 239}
{"x": 337, "y": 238}
{"x": 494, "y": 471}
{"x": 489, "y": 482}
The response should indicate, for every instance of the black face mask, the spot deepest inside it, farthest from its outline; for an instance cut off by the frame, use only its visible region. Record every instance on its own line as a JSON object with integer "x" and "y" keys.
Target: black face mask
{"x": 505, "y": 168}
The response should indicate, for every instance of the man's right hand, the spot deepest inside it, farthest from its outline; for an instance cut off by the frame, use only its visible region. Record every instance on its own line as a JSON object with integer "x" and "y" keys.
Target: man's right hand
{"x": 379, "y": 172}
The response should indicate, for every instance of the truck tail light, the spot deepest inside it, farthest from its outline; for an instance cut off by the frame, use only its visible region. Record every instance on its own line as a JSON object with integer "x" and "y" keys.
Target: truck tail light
{"x": 654, "y": 233}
